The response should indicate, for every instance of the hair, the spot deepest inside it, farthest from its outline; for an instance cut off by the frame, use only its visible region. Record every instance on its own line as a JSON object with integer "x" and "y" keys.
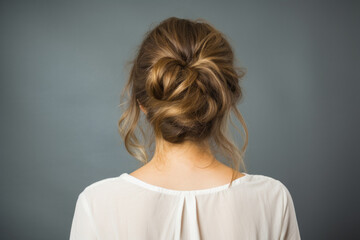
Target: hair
{"x": 184, "y": 75}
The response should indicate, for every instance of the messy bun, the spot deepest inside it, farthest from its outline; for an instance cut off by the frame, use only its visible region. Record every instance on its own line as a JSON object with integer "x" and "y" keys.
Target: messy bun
{"x": 184, "y": 76}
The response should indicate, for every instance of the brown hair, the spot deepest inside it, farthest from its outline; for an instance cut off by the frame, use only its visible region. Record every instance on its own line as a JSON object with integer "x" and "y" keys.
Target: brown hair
{"x": 184, "y": 76}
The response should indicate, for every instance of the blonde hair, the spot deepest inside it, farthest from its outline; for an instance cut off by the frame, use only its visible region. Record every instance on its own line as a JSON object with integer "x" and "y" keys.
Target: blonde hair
{"x": 184, "y": 76}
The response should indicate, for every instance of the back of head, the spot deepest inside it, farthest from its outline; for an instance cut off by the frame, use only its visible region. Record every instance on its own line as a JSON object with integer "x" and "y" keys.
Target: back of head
{"x": 184, "y": 76}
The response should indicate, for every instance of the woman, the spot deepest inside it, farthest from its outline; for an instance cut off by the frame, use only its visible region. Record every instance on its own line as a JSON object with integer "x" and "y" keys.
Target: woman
{"x": 184, "y": 81}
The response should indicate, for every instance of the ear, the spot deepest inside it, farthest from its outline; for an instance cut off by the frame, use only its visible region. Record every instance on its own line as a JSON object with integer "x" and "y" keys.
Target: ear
{"x": 141, "y": 107}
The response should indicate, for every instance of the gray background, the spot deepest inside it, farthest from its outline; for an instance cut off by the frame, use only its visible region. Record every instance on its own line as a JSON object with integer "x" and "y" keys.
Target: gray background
{"x": 62, "y": 71}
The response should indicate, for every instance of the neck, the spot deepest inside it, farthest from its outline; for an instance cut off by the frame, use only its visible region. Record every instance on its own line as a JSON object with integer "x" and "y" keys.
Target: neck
{"x": 187, "y": 157}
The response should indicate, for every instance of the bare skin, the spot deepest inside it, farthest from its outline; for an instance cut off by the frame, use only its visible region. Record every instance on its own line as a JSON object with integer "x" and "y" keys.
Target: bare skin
{"x": 185, "y": 167}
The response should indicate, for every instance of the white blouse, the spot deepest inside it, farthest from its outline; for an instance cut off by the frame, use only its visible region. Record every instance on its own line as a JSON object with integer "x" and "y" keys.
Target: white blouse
{"x": 125, "y": 207}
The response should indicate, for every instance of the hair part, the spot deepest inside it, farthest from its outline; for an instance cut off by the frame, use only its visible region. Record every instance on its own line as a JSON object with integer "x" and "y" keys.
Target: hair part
{"x": 184, "y": 76}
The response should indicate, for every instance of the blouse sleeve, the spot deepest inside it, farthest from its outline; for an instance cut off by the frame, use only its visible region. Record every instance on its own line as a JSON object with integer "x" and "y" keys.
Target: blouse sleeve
{"x": 82, "y": 224}
{"x": 289, "y": 228}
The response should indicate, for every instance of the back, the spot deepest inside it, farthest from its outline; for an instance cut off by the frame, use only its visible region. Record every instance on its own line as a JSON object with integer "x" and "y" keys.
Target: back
{"x": 124, "y": 207}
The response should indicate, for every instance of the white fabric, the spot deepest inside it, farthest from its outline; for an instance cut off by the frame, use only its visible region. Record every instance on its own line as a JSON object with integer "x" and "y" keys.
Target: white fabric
{"x": 125, "y": 207}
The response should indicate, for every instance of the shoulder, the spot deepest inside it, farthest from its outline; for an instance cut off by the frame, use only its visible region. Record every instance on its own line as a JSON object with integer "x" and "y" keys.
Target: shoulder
{"x": 102, "y": 183}
{"x": 103, "y": 188}
{"x": 265, "y": 181}
{"x": 269, "y": 186}
{"x": 102, "y": 197}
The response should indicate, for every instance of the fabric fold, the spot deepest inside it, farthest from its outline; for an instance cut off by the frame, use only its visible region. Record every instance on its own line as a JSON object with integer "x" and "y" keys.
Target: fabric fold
{"x": 193, "y": 219}
{"x": 179, "y": 216}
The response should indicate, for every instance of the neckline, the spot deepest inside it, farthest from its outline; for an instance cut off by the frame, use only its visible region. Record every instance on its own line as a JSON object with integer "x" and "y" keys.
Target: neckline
{"x": 155, "y": 188}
